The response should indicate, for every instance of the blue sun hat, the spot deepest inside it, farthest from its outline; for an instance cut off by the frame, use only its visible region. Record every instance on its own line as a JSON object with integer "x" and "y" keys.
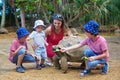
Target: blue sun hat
{"x": 92, "y": 27}
{"x": 21, "y": 32}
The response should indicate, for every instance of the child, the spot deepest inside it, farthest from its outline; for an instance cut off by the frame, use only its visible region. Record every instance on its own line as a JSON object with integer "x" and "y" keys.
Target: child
{"x": 38, "y": 37}
{"x": 18, "y": 50}
{"x": 98, "y": 50}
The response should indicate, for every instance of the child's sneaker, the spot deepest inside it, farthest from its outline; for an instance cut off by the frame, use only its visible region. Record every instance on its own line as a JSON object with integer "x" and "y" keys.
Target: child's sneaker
{"x": 23, "y": 67}
{"x": 84, "y": 72}
{"x": 103, "y": 73}
{"x": 38, "y": 67}
{"x": 42, "y": 65}
{"x": 105, "y": 68}
{"x": 20, "y": 69}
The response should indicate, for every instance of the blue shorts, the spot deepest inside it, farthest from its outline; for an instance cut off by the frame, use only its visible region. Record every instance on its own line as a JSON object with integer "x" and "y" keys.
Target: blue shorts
{"x": 41, "y": 53}
{"x": 27, "y": 58}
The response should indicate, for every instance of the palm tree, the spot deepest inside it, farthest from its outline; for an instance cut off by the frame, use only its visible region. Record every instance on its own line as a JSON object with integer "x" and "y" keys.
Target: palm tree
{"x": 2, "y": 29}
{"x": 12, "y": 4}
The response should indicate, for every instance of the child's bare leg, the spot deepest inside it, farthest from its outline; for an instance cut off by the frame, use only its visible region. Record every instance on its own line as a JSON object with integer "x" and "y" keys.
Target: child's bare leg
{"x": 86, "y": 70}
{"x": 42, "y": 61}
{"x": 20, "y": 58}
{"x": 38, "y": 64}
{"x": 86, "y": 65}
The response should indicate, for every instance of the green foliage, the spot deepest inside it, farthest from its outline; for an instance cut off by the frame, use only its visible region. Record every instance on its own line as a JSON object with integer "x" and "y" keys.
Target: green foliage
{"x": 48, "y": 6}
{"x": 114, "y": 12}
{"x": 107, "y": 11}
{"x": 28, "y": 4}
{"x": 79, "y": 3}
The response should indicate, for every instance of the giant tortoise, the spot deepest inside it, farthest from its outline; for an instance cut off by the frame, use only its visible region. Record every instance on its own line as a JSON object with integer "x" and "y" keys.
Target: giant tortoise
{"x": 61, "y": 58}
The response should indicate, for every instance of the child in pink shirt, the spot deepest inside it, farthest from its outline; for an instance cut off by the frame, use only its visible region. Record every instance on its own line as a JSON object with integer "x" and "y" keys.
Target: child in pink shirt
{"x": 97, "y": 53}
{"x": 18, "y": 50}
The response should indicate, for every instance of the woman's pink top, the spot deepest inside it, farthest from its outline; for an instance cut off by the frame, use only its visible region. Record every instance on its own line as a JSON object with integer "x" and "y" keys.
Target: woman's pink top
{"x": 53, "y": 39}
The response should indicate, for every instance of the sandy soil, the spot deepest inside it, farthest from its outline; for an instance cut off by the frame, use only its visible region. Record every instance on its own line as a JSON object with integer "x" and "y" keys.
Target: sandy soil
{"x": 7, "y": 69}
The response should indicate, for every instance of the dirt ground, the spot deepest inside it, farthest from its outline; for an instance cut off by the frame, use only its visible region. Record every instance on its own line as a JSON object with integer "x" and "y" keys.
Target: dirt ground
{"x": 7, "y": 69}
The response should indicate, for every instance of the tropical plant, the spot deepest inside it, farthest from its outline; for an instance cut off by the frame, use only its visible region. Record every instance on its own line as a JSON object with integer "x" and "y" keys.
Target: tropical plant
{"x": 74, "y": 11}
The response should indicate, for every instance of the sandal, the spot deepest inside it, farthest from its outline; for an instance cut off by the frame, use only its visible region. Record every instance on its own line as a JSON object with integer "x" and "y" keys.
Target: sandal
{"x": 42, "y": 65}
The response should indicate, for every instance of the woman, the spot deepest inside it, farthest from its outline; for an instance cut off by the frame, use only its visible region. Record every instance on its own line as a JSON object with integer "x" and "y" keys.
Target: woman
{"x": 54, "y": 33}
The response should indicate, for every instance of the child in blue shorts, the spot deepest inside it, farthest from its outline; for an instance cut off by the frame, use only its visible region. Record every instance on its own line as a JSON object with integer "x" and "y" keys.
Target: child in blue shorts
{"x": 38, "y": 37}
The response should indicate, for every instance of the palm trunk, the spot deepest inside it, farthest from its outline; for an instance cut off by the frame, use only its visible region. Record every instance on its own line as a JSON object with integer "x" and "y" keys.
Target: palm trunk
{"x": 17, "y": 23}
{"x": 3, "y": 15}
{"x": 22, "y": 14}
